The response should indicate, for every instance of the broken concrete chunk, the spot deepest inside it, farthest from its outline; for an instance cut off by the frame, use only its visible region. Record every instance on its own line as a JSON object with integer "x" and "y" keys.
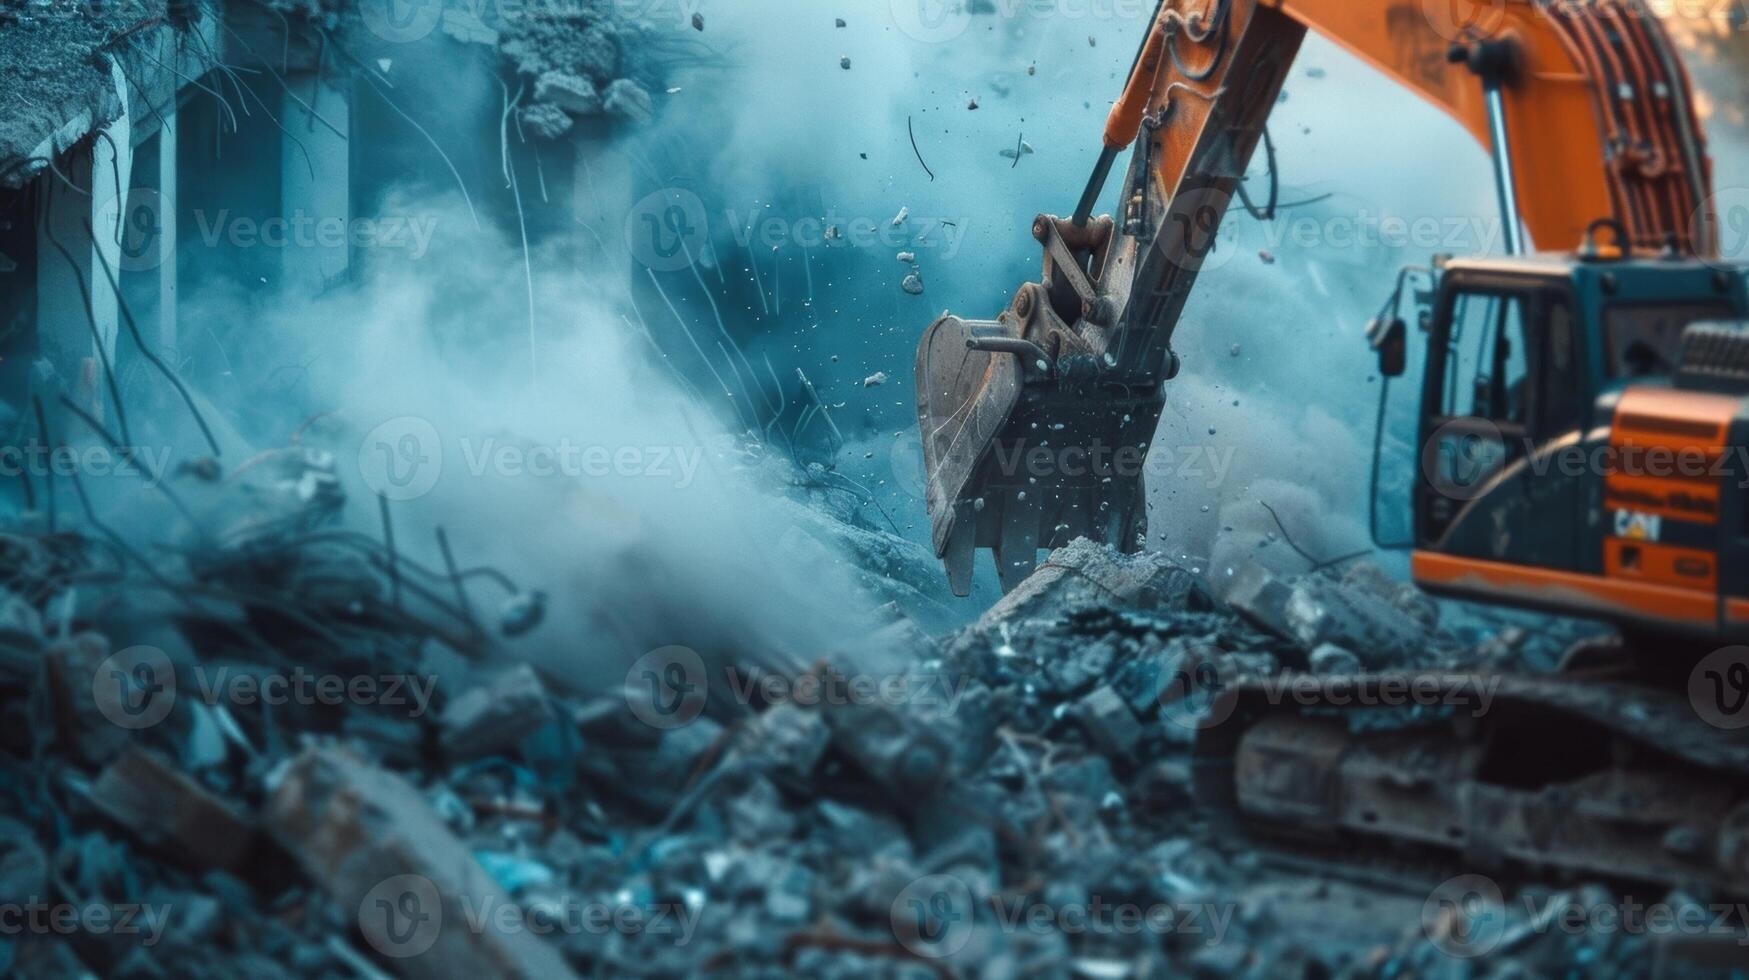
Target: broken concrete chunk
{"x": 169, "y": 812}
{"x": 369, "y": 840}
{"x": 1109, "y": 722}
{"x": 492, "y": 718}
{"x": 573, "y": 93}
{"x": 1320, "y": 611}
{"x": 1258, "y": 595}
{"x": 875, "y": 380}
{"x": 546, "y": 121}
{"x": 912, "y": 284}
{"x": 628, "y": 99}
{"x": 787, "y": 738}
{"x": 903, "y": 755}
{"x": 1085, "y": 573}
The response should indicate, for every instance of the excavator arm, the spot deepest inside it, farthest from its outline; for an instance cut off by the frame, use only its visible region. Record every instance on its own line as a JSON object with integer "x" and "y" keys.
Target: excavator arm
{"x": 1036, "y": 426}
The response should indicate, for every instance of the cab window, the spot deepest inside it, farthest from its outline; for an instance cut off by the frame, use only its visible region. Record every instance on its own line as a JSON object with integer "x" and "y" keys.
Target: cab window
{"x": 1513, "y": 360}
{"x": 1488, "y": 370}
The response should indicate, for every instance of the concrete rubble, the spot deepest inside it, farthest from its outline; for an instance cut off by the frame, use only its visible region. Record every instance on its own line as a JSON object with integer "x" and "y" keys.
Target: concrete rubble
{"x": 1034, "y": 761}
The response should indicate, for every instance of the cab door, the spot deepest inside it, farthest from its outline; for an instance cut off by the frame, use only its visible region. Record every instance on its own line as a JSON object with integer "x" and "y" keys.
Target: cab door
{"x": 1503, "y": 409}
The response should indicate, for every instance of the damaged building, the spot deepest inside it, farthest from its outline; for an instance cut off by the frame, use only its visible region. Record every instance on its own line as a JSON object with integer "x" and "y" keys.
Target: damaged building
{"x": 446, "y": 530}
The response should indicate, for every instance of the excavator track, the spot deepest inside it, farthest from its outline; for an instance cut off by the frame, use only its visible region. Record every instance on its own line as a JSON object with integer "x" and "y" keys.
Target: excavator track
{"x": 1550, "y": 775}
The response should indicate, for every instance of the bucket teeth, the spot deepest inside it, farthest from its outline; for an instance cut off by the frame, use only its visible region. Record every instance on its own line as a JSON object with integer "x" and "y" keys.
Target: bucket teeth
{"x": 962, "y": 550}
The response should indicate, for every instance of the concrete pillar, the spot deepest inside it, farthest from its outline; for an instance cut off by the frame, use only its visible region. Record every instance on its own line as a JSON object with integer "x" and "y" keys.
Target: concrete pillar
{"x": 316, "y": 181}
{"x": 85, "y": 224}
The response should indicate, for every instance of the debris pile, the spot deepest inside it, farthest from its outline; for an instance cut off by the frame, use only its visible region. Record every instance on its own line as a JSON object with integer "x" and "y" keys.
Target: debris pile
{"x": 287, "y": 750}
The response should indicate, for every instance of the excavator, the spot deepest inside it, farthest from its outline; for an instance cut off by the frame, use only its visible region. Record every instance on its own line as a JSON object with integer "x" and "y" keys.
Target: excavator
{"x": 1583, "y": 408}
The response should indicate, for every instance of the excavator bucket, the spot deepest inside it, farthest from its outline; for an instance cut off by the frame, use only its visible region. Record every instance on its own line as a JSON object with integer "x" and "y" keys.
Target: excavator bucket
{"x": 1027, "y": 442}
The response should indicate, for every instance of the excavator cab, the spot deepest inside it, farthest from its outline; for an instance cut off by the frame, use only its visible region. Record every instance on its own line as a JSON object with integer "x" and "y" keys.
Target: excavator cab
{"x": 1573, "y": 437}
